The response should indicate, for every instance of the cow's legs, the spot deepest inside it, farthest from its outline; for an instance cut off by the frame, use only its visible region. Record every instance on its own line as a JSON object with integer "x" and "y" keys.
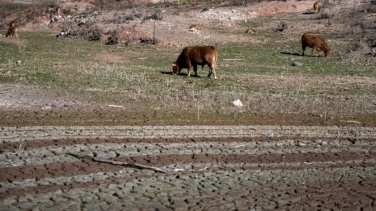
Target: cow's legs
{"x": 313, "y": 50}
{"x": 303, "y": 48}
{"x": 189, "y": 72}
{"x": 189, "y": 67}
{"x": 212, "y": 70}
{"x": 195, "y": 69}
{"x": 318, "y": 51}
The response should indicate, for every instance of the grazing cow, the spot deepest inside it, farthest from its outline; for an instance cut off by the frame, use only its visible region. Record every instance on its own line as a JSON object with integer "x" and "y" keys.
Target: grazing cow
{"x": 315, "y": 42}
{"x": 13, "y": 29}
{"x": 317, "y": 7}
{"x": 196, "y": 55}
{"x": 250, "y": 31}
{"x": 195, "y": 27}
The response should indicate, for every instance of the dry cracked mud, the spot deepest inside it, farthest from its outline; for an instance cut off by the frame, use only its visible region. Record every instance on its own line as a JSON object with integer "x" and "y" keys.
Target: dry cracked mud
{"x": 205, "y": 168}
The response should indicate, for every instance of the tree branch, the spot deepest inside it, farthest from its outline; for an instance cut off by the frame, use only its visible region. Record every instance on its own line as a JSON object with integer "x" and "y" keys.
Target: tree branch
{"x": 133, "y": 165}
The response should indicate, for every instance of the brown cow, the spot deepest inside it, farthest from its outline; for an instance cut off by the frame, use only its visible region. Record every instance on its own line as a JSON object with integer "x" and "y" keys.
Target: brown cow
{"x": 250, "y": 31}
{"x": 315, "y": 42}
{"x": 317, "y": 7}
{"x": 195, "y": 27}
{"x": 13, "y": 29}
{"x": 196, "y": 55}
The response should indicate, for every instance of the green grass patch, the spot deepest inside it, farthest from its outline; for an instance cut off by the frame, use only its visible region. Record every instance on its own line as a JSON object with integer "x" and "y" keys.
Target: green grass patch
{"x": 74, "y": 64}
{"x": 260, "y": 74}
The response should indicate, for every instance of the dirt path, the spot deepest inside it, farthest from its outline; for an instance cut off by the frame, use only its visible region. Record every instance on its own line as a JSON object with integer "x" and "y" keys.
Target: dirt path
{"x": 207, "y": 167}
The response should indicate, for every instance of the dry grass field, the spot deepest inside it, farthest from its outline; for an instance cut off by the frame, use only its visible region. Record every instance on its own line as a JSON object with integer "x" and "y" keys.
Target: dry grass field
{"x": 129, "y": 81}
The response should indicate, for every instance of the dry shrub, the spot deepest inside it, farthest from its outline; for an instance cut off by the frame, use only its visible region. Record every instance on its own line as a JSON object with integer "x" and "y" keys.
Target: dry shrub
{"x": 326, "y": 13}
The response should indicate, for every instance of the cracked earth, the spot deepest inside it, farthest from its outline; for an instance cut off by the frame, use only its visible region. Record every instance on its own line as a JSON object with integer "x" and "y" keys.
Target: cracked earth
{"x": 205, "y": 168}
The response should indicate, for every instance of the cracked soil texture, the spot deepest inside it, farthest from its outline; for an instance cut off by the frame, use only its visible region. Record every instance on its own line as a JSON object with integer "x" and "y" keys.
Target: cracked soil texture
{"x": 204, "y": 168}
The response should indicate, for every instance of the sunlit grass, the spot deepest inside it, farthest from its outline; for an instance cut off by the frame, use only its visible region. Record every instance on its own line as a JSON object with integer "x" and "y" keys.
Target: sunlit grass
{"x": 260, "y": 74}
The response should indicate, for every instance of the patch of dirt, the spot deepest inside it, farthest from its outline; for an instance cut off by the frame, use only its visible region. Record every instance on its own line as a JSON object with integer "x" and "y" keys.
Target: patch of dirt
{"x": 23, "y": 97}
{"x": 109, "y": 57}
{"x": 170, "y": 23}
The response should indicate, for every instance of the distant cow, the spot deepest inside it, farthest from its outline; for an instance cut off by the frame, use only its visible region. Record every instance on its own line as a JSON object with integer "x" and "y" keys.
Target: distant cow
{"x": 250, "y": 31}
{"x": 13, "y": 29}
{"x": 317, "y": 7}
{"x": 195, "y": 27}
{"x": 196, "y": 55}
{"x": 315, "y": 42}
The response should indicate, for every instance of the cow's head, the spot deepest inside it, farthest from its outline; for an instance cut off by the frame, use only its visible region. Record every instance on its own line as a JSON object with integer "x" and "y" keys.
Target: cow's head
{"x": 175, "y": 68}
{"x": 327, "y": 52}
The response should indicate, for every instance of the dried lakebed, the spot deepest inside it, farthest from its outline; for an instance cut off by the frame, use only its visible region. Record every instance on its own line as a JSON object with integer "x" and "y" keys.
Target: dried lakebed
{"x": 204, "y": 168}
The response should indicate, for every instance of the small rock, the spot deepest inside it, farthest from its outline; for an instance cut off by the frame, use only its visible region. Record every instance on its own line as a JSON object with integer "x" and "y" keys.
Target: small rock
{"x": 296, "y": 64}
{"x": 237, "y": 103}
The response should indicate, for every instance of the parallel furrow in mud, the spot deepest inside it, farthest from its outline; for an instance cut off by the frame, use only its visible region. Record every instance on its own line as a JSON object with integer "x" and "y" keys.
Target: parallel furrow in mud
{"x": 206, "y": 168}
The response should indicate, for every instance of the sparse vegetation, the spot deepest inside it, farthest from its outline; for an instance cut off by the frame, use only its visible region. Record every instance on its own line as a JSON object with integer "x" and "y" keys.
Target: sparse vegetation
{"x": 259, "y": 74}
{"x": 8, "y": 8}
